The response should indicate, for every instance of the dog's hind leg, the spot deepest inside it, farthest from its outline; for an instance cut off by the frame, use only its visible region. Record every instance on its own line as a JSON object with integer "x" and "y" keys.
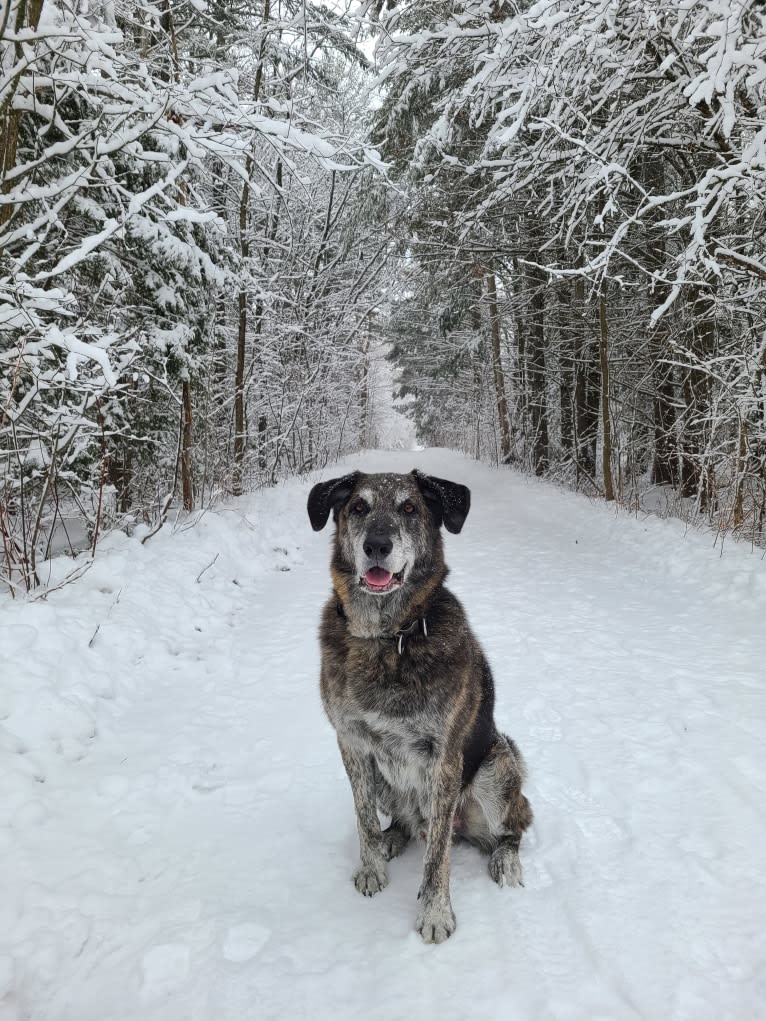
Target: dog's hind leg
{"x": 504, "y": 862}
{"x": 371, "y": 875}
{"x": 496, "y": 811}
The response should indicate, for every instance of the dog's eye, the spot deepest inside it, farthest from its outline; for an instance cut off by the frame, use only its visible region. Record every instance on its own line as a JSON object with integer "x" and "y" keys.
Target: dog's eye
{"x": 359, "y": 507}
{"x": 408, "y": 507}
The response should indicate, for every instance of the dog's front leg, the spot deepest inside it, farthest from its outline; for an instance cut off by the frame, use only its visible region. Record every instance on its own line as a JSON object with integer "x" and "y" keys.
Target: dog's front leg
{"x": 436, "y": 919}
{"x": 371, "y": 876}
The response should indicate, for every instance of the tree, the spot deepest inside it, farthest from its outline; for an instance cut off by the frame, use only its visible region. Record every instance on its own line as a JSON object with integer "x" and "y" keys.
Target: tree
{"x": 617, "y": 160}
{"x": 130, "y": 134}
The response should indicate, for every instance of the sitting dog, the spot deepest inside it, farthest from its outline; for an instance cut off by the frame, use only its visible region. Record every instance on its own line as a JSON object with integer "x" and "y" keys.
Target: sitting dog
{"x": 409, "y": 692}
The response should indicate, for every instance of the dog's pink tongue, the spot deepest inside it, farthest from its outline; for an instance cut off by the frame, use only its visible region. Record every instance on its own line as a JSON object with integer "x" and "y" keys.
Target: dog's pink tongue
{"x": 377, "y": 577}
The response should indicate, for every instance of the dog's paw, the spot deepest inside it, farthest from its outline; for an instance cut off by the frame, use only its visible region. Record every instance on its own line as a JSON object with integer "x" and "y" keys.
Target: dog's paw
{"x": 505, "y": 867}
{"x": 436, "y": 922}
{"x": 393, "y": 842}
{"x": 370, "y": 879}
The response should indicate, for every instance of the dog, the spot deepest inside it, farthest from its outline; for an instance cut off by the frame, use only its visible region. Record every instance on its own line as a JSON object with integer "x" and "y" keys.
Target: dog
{"x": 409, "y": 692}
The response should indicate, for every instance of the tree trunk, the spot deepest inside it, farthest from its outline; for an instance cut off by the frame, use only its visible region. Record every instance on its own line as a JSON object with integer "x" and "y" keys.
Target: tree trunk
{"x": 739, "y": 493}
{"x": 477, "y": 369}
{"x": 665, "y": 457}
{"x": 364, "y": 395}
{"x": 522, "y": 383}
{"x": 606, "y": 447}
{"x": 695, "y": 475}
{"x": 536, "y": 370}
{"x": 566, "y": 367}
{"x": 586, "y": 405}
{"x": 665, "y": 461}
{"x": 239, "y": 374}
{"x": 28, "y": 13}
{"x": 186, "y": 442}
{"x": 497, "y": 366}
{"x": 263, "y": 424}
{"x": 168, "y": 27}
{"x": 244, "y": 251}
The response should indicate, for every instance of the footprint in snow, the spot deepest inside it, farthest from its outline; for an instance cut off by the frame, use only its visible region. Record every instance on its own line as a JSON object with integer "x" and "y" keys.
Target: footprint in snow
{"x": 543, "y": 720}
{"x": 536, "y": 875}
{"x": 244, "y": 941}
{"x": 113, "y": 787}
{"x": 752, "y": 772}
{"x": 602, "y": 829}
{"x": 565, "y": 796}
{"x": 6, "y": 976}
{"x": 165, "y": 968}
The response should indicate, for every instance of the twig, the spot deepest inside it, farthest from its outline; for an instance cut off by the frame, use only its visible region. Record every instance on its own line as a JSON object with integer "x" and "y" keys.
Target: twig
{"x": 7, "y": 551}
{"x": 23, "y": 501}
{"x": 43, "y": 593}
{"x": 199, "y": 576}
{"x": 163, "y": 515}
{"x": 115, "y": 601}
{"x": 12, "y": 585}
{"x": 102, "y": 474}
{"x": 191, "y": 521}
{"x": 41, "y": 506}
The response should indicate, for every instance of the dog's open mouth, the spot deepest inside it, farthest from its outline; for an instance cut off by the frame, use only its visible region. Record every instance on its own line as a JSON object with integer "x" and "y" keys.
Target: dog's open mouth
{"x": 379, "y": 580}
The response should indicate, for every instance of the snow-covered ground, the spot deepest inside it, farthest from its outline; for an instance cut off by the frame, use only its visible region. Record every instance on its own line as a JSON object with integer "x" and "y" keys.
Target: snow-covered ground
{"x": 177, "y": 834}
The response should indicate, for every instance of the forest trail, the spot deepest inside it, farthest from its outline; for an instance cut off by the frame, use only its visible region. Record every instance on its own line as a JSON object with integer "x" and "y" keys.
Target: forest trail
{"x": 177, "y": 832}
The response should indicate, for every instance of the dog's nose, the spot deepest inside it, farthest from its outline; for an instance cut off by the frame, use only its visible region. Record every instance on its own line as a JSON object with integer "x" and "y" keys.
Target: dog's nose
{"x": 377, "y": 545}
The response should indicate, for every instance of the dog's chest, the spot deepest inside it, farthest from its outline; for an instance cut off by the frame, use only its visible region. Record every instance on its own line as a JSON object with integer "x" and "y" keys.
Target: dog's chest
{"x": 389, "y": 705}
{"x": 403, "y": 746}
{"x": 404, "y": 749}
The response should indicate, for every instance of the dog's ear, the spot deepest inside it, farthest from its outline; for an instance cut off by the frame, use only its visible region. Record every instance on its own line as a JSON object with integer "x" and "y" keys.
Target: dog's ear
{"x": 448, "y": 502}
{"x": 329, "y": 496}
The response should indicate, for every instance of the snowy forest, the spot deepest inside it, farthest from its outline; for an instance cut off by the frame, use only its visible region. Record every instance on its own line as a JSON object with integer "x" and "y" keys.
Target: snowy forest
{"x": 228, "y": 230}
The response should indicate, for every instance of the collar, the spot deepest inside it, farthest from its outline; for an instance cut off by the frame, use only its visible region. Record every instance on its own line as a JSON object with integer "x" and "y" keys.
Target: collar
{"x": 418, "y": 625}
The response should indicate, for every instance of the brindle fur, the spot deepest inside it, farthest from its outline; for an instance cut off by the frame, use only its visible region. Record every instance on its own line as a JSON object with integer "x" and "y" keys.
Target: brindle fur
{"x": 415, "y": 729}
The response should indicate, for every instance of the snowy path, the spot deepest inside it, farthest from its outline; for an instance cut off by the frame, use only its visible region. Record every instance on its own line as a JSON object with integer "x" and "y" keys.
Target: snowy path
{"x": 176, "y": 830}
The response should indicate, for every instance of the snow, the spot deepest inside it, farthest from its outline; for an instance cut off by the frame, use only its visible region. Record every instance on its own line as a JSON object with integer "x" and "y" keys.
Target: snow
{"x": 80, "y": 350}
{"x": 177, "y": 832}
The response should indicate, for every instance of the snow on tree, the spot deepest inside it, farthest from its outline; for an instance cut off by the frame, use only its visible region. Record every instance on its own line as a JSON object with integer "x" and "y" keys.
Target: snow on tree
{"x": 132, "y": 134}
{"x": 616, "y": 153}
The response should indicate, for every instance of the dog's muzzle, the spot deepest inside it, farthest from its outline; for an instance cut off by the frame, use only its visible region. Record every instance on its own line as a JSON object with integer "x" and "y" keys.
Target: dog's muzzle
{"x": 379, "y": 581}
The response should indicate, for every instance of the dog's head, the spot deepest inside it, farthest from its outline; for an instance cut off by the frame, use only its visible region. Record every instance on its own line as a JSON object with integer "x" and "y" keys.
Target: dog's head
{"x": 388, "y": 525}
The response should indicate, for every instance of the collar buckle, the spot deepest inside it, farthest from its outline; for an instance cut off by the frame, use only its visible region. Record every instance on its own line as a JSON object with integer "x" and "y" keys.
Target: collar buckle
{"x": 407, "y": 632}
